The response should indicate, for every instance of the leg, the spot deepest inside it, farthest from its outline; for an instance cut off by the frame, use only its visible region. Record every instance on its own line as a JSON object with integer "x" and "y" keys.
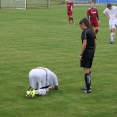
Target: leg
{"x": 112, "y": 32}
{"x": 72, "y": 20}
{"x": 86, "y": 70}
{"x": 33, "y": 83}
{"x": 90, "y": 75}
{"x": 41, "y": 92}
{"x": 86, "y": 63}
{"x": 96, "y": 25}
{"x": 96, "y": 30}
{"x": 71, "y": 17}
{"x": 32, "y": 79}
{"x": 112, "y": 35}
{"x": 87, "y": 79}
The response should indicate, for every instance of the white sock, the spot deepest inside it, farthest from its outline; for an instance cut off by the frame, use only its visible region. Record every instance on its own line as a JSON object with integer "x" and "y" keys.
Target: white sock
{"x": 41, "y": 92}
{"x": 112, "y": 36}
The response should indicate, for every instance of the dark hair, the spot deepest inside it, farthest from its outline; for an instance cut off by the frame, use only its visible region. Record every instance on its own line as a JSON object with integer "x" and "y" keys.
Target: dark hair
{"x": 109, "y": 5}
{"x": 92, "y": 2}
{"x": 87, "y": 24}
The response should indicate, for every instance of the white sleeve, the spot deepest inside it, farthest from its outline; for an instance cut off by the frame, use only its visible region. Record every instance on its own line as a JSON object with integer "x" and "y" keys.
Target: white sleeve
{"x": 53, "y": 80}
{"x": 105, "y": 11}
{"x": 116, "y": 9}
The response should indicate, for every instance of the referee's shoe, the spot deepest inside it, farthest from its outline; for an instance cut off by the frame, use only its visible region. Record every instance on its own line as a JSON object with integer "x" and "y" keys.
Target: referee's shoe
{"x": 85, "y": 87}
{"x": 87, "y": 91}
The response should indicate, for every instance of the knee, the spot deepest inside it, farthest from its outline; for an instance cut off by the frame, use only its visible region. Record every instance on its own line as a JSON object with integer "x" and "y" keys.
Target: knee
{"x": 97, "y": 28}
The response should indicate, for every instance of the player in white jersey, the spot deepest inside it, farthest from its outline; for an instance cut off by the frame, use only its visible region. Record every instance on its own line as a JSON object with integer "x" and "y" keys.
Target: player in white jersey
{"x": 41, "y": 80}
{"x": 111, "y": 13}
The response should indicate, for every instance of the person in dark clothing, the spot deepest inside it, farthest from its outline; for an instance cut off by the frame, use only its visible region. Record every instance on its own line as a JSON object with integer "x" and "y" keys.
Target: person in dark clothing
{"x": 87, "y": 51}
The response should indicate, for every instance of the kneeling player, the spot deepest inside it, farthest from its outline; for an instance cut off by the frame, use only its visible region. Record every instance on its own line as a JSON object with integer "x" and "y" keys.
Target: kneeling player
{"x": 41, "y": 79}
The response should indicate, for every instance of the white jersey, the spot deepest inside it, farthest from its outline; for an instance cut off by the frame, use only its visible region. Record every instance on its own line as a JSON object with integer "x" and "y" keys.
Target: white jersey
{"x": 112, "y": 13}
{"x": 113, "y": 16}
{"x": 53, "y": 81}
{"x": 42, "y": 78}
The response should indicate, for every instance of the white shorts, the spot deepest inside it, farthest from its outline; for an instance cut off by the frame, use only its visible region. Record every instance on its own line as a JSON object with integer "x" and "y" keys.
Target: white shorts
{"x": 115, "y": 22}
{"x": 38, "y": 79}
{"x": 112, "y": 22}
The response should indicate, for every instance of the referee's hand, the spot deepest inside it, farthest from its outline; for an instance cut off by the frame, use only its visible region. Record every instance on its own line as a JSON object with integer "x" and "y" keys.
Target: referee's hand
{"x": 80, "y": 58}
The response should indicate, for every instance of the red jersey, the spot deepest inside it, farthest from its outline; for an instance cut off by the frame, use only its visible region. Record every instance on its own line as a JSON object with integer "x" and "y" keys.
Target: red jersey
{"x": 70, "y": 6}
{"x": 92, "y": 12}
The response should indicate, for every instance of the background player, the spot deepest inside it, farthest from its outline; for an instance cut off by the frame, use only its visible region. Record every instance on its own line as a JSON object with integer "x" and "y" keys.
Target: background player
{"x": 70, "y": 6}
{"x": 87, "y": 51}
{"x": 93, "y": 17}
{"x": 40, "y": 80}
{"x": 111, "y": 13}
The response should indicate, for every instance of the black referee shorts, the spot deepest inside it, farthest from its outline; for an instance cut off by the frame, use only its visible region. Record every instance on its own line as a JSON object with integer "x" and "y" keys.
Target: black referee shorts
{"x": 87, "y": 58}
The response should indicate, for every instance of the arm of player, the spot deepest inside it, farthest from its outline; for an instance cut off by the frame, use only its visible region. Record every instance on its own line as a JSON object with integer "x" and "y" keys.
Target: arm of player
{"x": 106, "y": 15}
{"x": 87, "y": 16}
{"x": 97, "y": 16}
{"x": 83, "y": 48}
{"x": 95, "y": 44}
{"x": 73, "y": 5}
{"x": 54, "y": 87}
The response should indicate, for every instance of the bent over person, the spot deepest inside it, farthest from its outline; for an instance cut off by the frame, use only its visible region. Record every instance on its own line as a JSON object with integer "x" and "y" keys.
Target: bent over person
{"x": 87, "y": 51}
{"x": 41, "y": 79}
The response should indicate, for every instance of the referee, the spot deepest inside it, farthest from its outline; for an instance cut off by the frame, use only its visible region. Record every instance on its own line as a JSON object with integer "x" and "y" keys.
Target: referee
{"x": 87, "y": 51}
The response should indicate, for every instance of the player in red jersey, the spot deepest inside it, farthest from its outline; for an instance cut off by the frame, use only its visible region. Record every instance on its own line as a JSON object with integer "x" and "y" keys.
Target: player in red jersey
{"x": 70, "y": 6}
{"x": 93, "y": 17}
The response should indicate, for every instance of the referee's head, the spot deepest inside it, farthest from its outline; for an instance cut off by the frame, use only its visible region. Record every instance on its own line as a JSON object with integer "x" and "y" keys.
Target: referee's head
{"x": 109, "y": 6}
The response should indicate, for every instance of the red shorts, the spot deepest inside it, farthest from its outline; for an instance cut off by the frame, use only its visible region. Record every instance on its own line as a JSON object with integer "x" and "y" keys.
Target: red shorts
{"x": 94, "y": 23}
{"x": 69, "y": 13}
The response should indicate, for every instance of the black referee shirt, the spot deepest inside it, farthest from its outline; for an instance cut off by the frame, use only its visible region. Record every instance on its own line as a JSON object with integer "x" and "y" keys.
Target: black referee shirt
{"x": 90, "y": 37}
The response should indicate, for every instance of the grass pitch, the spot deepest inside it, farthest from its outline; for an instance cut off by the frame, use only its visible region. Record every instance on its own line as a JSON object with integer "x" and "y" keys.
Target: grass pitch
{"x": 32, "y": 38}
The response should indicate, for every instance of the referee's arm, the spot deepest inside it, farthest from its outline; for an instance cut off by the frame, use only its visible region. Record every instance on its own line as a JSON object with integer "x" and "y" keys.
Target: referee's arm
{"x": 95, "y": 44}
{"x": 83, "y": 45}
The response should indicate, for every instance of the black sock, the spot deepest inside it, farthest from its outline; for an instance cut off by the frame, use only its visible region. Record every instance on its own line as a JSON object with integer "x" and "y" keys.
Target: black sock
{"x": 90, "y": 75}
{"x": 87, "y": 81}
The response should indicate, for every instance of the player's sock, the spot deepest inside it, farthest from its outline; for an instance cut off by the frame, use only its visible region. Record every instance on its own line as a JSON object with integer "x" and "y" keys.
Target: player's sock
{"x": 87, "y": 81}
{"x": 72, "y": 19}
{"x": 41, "y": 92}
{"x": 90, "y": 75}
{"x": 96, "y": 31}
{"x": 112, "y": 36}
{"x": 69, "y": 19}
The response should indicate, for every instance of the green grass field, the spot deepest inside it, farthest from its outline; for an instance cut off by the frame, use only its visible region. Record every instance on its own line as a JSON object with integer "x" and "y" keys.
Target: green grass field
{"x": 32, "y": 38}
